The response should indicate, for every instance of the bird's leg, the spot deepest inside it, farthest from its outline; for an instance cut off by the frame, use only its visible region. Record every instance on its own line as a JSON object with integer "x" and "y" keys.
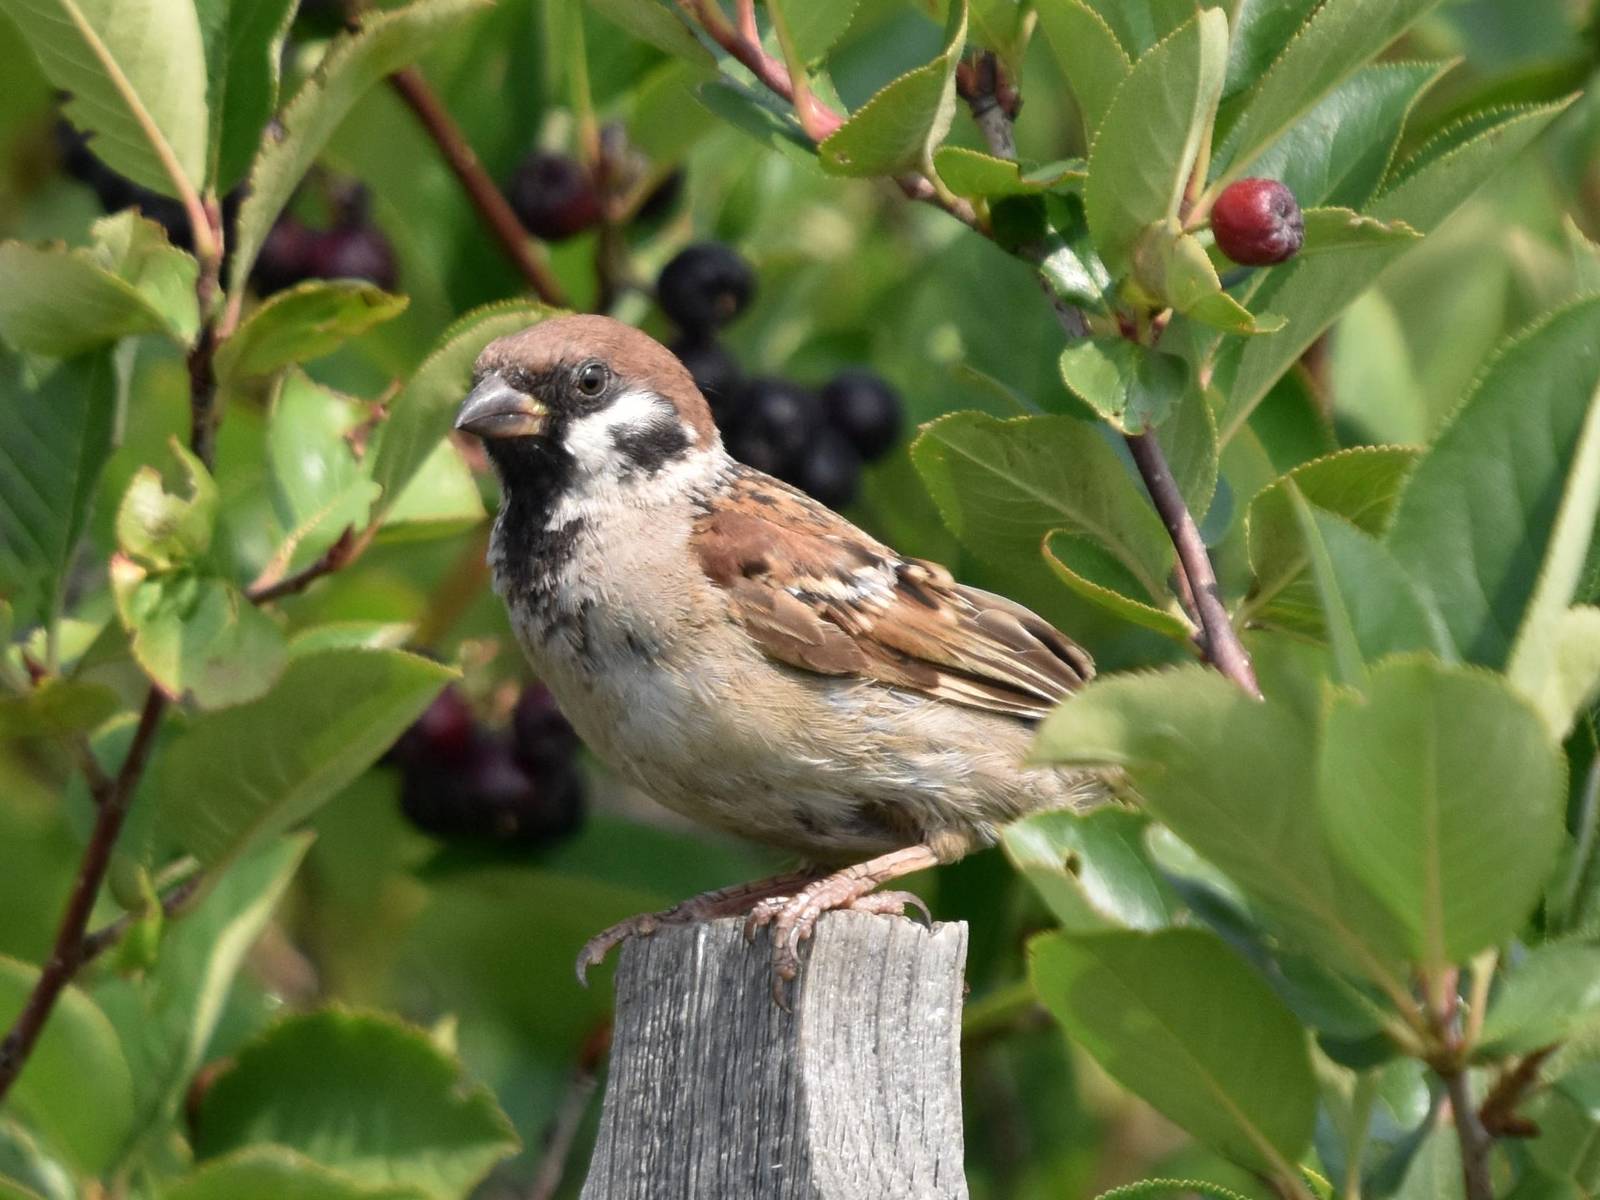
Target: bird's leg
{"x": 793, "y": 917}
{"x": 724, "y": 902}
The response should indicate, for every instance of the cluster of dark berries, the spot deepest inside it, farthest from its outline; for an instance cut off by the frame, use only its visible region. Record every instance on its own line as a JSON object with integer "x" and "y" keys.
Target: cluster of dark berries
{"x": 557, "y": 197}
{"x": 1257, "y": 222}
{"x": 116, "y": 192}
{"x": 352, "y": 247}
{"x": 517, "y": 786}
{"x": 814, "y": 440}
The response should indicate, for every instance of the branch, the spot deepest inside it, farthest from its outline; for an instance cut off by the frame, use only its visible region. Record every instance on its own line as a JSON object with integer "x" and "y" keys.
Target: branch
{"x": 334, "y": 558}
{"x": 1499, "y": 1114}
{"x": 981, "y": 81}
{"x": 480, "y": 189}
{"x": 1221, "y": 644}
{"x": 563, "y": 1130}
{"x": 1475, "y": 1140}
{"x": 67, "y": 954}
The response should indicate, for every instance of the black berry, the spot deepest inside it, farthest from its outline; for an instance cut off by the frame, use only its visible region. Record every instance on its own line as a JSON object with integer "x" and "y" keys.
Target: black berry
{"x": 830, "y": 469}
{"x": 445, "y": 735}
{"x": 1257, "y": 222}
{"x": 865, "y": 409}
{"x": 286, "y": 255}
{"x": 662, "y": 199}
{"x": 353, "y": 252}
{"x": 553, "y": 196}
{"x": 777, "y": 420}
{"x": 494, "y": 800}
{"x": 705, "y": 286}
{"x": 715, "y": 372}
{"x": 542, "y": 739}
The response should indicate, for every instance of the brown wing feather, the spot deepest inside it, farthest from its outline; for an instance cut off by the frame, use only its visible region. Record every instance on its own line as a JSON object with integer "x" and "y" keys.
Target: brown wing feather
{"x": 817, "y": 593}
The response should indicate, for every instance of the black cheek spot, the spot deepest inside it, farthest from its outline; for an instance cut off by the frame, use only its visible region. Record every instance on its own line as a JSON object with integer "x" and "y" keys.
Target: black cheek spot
{"x": 651, "y": 447}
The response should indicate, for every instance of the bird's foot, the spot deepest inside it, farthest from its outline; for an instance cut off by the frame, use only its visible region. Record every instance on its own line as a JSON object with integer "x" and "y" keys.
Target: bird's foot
{"x": 793, "y": 918}
{"x": 725, "y": 902}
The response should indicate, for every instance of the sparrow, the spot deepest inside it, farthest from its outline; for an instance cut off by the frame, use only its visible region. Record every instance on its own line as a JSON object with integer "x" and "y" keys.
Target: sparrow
{"x": 743, "y": 654}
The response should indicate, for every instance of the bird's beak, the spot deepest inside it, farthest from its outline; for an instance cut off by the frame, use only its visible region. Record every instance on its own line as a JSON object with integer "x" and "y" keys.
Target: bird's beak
{"x": 495, "y": 409}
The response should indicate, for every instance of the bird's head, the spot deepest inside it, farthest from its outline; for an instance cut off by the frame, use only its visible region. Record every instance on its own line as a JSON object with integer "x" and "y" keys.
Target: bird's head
{"x": 590, "y": 400}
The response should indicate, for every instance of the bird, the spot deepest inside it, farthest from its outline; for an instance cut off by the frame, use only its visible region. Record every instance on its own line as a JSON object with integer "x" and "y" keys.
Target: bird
{"x": 743, "y": 654}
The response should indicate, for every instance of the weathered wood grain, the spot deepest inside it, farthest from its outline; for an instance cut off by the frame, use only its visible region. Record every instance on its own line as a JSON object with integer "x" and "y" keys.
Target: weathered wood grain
{"x": 716, "y": 1093}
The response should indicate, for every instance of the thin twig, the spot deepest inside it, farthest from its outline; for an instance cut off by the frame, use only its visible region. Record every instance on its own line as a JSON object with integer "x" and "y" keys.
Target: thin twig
{"x": 480, "y": 189}
{"x": 1499, "y": 1115}
{"x": 563, "y": 1130}
{"x": 1475, "y": 1140}
{"x": 336, "y": 557}
{"x": 1221, "y": 644}
{"x": 66, "y": 955}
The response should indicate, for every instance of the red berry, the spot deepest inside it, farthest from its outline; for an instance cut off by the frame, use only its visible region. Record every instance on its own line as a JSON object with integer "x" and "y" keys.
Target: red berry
{"x": 1257, "y": 222}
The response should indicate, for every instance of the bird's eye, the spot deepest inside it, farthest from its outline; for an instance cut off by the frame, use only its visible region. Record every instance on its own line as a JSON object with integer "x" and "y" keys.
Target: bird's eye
{"x": 592, "y": 377}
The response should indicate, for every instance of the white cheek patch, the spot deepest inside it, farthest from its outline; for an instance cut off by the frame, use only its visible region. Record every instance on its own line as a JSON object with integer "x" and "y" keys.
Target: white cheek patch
{"x": 592, "y": 440}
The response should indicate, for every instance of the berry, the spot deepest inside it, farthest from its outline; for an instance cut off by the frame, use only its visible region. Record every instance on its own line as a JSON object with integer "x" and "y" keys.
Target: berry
{"x": 705, "y": 286}
{"x": 286, "y": 255}
{"x": 542, "y": 739}
{"x": 662, "y": 199}
{"x": 1257, "y": 222}
{"x": 353, "y": 252}
{"x": 493, "y": 800}
{"x": 830, "y": 469}
{"x": 865, "y": 409}
{"x": 445, "y": 735}
{"x": 777, "y": 420}
{"x": 553, "y": 196}
{"x": 715, "y": 373}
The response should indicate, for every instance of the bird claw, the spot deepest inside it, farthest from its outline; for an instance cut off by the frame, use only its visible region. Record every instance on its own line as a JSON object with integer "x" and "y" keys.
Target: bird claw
{"x": 794, "y": 919}
{"x": 601, "y": 944}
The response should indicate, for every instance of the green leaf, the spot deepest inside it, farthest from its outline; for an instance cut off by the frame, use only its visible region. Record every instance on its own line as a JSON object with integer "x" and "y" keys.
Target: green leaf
{"x": 167, "y": 1018}
{"x": 1091, "y": 57}
{"x": 1131, "y": 386}
{"x": 973, "y": 173}
{"x": 758, "y": 116}
{"x": 1071, "y": 268}
{"x": 441, "y": 499}
{"x": 1362, "y": 485}
{"x": 276, "y": 1173}
{"x": 15, "y": 1191}
{"x": 387, "y": 41}
{"x": 1442, "y": 789}
{"x": 75, "y": 1091}
{"x": 1339, "y": 152}
{"x": 1140, "y": 24}
{"x": 1516, "y": 441}
{"x": 816, "y": 25}
{"x": 319, "y": 488}
{"x": 1171, "y": 269}
{"x": 899, "y": 127}
{"x": 198, "y": 637}
{"x": 659, "y": 25}
{"x": 1543, "y": 999}
{"x": 1343, "y": 229}
{"x": 1311, "y": 292}
{"x": 363, "y": 1094}
{"x": 422, "y": 414}
{"x": 1338, "y": 39}
{"x": 243, "y": 45}
{"x": 1190, "y": 439}
{"x": 1371, "y": 607}
{"x": 1088, "y": 569}
{"x": 236, "y": 777}
{"x": 1145, "y": 150}
{"x": 1091, "y": 869}
{"x": 161, "y": 530}
{"x": 1585, "y": 257}
{"x": 1001, "y": 486}
{"x": 301, "y": 323}
{"x": 1181, "y": 1021}
{"x": 1555, "y": 655}
{"x": 136, "y": 71}
{"x": 59, "y": 431}
{"x": 62, "y": 302}
{"x": 1235, "y": 779}
{"x": 56, "y": 706}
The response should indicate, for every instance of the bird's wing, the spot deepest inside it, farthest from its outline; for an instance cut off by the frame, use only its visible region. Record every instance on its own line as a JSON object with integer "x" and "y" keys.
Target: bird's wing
{"x": 817, "y": 593}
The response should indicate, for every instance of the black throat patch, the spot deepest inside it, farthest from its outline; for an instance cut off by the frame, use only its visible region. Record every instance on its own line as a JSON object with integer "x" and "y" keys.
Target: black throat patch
{"x": 534, "y": 474}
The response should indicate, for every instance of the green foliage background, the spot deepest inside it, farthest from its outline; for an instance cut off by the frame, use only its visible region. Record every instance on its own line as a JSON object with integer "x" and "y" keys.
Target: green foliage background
{"x": 1327, "y": 905}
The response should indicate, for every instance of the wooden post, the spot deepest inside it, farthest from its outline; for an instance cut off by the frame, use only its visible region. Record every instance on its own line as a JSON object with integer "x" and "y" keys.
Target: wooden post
{"x": 716, "y": 1093}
